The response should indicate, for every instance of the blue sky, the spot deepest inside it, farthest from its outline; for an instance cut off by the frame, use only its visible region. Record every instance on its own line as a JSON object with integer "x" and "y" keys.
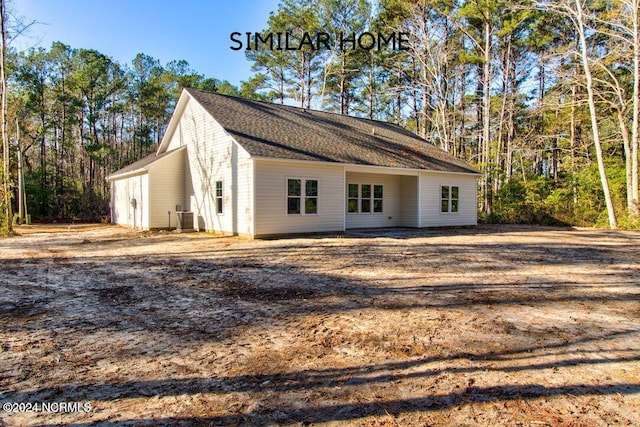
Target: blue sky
{"x": 197, "y": 31}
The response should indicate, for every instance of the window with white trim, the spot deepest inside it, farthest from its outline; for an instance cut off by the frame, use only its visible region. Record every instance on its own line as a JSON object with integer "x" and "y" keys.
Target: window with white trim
{"x": 364, "y": 198}
{"x": 219, "y": 197}
{"x": 302, "y": 196}
{"x": 353, "y": 194}
{"x": 310, "y": 196}
{"x": 449, "y": 199}
{"x": 377, "y": 199}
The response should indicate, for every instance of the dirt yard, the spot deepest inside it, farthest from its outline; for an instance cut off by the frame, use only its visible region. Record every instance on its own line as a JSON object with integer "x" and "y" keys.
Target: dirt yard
{"x": 492, "y": 326}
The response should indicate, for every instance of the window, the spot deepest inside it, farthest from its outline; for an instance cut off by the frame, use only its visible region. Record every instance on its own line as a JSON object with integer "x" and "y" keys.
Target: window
{"x": 352, "y": 200}
{"x": 294, "y": 193}
{"x": 449, "y": 199}
{"x": 444, "y": 199}
{"x": 302, "y": 189}
{"x": 364, "y": 198}
{"x": 454, "y": 199}
{"x": 377, "y": 198}
{"x": 219, "y": 197}
{"x": 311, "y": 196}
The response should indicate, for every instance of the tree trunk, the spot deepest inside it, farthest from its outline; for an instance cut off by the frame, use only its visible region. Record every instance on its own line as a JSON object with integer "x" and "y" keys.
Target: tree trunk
{"x": 554, "y": 159}
{"x": 594, "y": 118}
{"x": 480, "y": 152}
{"x": 624, "y": 132}
{"x": 303, "y": 80}
{"x": 343, "y": 66}
{"x": 423, "y": 112}
{"x": 281, "y": 85}
{"x": 61, "y": 165}
{"x": 309, "y": 83}
{"x": 43, "y": 166}
{"x": 635, "y": 5}
{"x": 418, "y": 116}
{"x": 486, "y": 111}
{"x": 372, "y": 84}
{"x": 399, "y": 100}
{"x": 463, "y": 112}
{"x": 506, "y": 67}
{"x": 6, "y": 179}
{"x": 573, "y": 134}
{"x": 20, "y": 187}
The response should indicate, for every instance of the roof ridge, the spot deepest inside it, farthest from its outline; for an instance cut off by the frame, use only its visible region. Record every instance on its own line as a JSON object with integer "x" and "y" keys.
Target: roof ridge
{"x": 304, "y": 109}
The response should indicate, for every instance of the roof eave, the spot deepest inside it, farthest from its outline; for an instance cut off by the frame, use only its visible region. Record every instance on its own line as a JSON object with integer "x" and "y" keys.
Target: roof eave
{"x": 144, "y": 169}
{"x": 117, "y": 176}
{"x": 174, "y": 121}
{"x": 356, "y": 165}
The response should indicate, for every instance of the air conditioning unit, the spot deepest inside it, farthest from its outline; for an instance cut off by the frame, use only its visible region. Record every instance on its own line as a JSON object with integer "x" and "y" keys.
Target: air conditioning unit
{"x": 185, "y": 221}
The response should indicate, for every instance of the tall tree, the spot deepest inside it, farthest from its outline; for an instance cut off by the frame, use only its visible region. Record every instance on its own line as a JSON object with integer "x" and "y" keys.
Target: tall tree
{"x": 633, "y": 6}
{"x": 575, "y": 11}
{"x": 64, "y": 113}
{"x": 344, "y": 20}
{"x": 291, "y": 72}
{"x": 481, "y": 17}
{"x": 97, "y": 78}
{"x": 6, "y": 223}
{"x": 33, "y": 75}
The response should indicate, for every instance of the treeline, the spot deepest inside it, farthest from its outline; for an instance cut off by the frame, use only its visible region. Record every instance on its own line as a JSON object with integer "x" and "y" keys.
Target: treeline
{"x": 542, "y": 97}
{"x": 77, "y": 115}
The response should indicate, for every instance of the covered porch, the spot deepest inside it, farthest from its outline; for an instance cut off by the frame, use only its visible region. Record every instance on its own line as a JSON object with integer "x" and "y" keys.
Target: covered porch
{"x": 381, "y": 199}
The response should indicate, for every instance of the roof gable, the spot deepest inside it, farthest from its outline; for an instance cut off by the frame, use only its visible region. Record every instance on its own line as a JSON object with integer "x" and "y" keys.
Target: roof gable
{"x": 284, "y": 132}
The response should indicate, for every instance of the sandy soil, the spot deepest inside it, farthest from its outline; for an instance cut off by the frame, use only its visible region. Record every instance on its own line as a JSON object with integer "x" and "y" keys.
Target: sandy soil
{"x": 492, "y": 326}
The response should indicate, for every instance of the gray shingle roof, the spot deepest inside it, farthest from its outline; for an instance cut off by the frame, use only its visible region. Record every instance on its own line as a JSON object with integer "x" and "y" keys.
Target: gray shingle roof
{"x": 285, "y": 132}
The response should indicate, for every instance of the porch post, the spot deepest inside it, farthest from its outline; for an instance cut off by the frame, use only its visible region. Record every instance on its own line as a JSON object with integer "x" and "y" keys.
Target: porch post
{"x": 344, "y": 198}
{"x": 419, "y": 199}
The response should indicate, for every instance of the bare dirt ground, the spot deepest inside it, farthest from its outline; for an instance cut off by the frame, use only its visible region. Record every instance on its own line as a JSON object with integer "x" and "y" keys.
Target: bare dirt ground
{"x": 491, "y": 326}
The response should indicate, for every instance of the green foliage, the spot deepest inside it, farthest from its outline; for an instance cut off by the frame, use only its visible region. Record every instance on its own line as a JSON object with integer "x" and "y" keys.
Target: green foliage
{"x": 577, "y": 199}
{"x": 252, "y": 88}
{"x": 226, "y": 88}
{"x": 470, "y": 58}
{"x": 526, "y": 202}
{"x": 5, "y": 225}
{"x": 629, "y": 222}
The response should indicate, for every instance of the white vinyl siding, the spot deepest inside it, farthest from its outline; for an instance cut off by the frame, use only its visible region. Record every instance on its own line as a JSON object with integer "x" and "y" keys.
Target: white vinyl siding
{"x": 431, "y": 200}
{"x": 271, "y": 194}
{"x": 408, "y": 201}
{"x": 166, "y": 190}
{"x": 184, "y": 131}
{"x": 123, "y": 191}
{"x": 243, "y": 202}
{"x": 212, "y": 155}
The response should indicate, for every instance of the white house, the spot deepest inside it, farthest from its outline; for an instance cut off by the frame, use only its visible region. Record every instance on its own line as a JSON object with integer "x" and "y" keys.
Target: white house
{"x": 255, "y": 169}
